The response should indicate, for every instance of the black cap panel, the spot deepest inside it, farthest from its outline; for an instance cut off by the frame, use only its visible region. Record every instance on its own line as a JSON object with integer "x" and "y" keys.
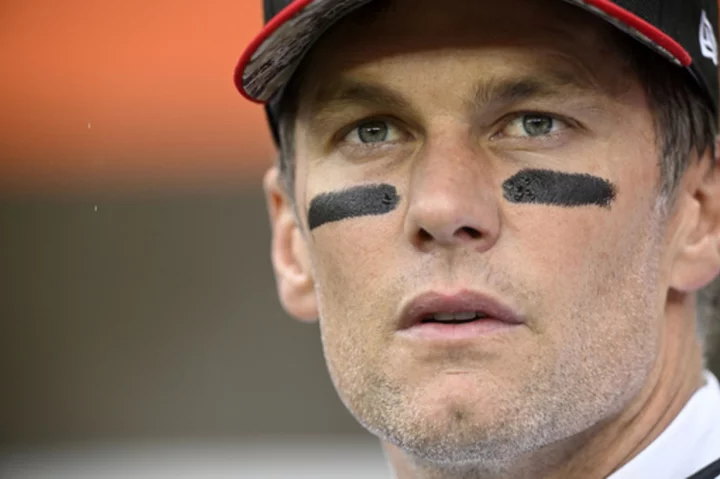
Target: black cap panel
{"x": 648, "y": 10}
{"x": 695, "y": 26}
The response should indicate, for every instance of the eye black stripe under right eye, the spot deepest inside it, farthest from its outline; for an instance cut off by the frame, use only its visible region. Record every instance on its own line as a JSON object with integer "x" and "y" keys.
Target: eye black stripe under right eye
{"x": 364, "y": 200}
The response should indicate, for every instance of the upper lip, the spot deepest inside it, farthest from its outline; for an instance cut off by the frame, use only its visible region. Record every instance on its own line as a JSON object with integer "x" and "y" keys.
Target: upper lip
{"x": 423, "y": 306}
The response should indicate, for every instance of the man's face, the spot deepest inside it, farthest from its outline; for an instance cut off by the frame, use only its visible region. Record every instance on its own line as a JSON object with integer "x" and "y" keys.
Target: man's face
{"x": 445, "y": 102}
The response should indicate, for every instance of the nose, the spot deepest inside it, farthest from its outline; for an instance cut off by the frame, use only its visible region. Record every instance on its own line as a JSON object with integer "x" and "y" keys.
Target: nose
{"x": 451, "y": 198}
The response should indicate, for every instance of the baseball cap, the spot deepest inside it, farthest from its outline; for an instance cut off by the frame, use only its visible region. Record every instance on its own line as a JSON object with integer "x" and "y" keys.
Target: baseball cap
{"x": 682, "y": 31}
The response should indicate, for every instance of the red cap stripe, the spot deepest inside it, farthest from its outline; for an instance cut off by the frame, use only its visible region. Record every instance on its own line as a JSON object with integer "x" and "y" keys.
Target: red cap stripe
{"x": 277, "y": 21}
{"x": 647, "y": 29}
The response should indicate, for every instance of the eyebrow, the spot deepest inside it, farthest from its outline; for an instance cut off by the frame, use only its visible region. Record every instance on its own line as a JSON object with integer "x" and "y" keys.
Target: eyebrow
{"x": 490, "y": 93}
{"x": 500, "y": 92}
{"x": 334, "y": 98}
{"x": 352, "y": 91}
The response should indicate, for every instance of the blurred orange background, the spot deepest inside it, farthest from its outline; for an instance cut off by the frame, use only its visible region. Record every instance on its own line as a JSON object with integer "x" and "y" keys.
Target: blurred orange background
{"x": 127, "y": 95}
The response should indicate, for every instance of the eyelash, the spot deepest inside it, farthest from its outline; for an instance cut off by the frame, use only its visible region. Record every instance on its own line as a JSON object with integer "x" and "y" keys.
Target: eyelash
{"x": 344, "y": 132}
{"x": 507, "y": 120}
{"x": 368, "y": 149}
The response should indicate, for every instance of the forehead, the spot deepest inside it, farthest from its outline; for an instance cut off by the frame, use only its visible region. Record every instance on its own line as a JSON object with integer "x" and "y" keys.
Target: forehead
{"x": 548, "y": 35}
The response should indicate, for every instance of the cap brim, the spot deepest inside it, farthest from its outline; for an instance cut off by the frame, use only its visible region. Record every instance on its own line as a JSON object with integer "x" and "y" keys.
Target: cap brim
{"x": 274, "y": 55}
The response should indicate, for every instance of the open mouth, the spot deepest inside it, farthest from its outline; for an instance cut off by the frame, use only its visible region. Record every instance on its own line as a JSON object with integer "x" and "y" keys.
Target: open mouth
{"x": 455, "y": 318}
{"x": 452, "y": 317}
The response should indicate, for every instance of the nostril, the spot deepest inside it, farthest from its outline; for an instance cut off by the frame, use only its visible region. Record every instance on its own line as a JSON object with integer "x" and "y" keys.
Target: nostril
{"x": 424, "y": 235}
{"x": 466, "y": 232}
{"x": 469, "y": 232}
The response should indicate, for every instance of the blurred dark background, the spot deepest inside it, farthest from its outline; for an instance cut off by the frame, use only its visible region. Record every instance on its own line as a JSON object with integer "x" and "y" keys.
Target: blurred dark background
{"x": 151, "y": 317}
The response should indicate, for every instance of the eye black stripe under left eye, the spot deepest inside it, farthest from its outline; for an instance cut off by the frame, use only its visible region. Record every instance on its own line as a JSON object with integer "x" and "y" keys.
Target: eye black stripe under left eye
{"x": 560, "y": 189}
{"x": 364, "y": 200}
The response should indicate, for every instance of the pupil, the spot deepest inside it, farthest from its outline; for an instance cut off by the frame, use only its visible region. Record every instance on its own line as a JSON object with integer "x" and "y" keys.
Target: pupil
{"x": 537, "y": 125}
{"x": 373, "y": 132}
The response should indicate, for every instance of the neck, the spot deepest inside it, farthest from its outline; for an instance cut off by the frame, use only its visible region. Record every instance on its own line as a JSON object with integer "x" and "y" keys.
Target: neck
{"x": 614, "y": 442}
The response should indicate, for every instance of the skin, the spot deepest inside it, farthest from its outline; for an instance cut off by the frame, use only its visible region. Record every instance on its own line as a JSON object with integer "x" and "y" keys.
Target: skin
{"x": 607, "y": 355}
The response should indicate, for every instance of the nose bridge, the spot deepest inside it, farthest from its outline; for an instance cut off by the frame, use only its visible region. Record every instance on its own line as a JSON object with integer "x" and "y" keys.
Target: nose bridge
{"x": 446, "y": 161}
{"x": 451, "y": 200}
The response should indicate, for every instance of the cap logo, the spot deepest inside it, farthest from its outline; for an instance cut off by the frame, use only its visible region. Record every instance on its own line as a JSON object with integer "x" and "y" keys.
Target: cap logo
{"x": 708, "y": 42}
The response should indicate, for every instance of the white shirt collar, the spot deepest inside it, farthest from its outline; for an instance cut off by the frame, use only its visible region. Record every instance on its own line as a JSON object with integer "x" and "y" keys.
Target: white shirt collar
{"x": 689, "y": 443}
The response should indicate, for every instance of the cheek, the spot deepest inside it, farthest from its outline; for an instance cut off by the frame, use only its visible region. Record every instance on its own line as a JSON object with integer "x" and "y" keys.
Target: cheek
{"x": 596, "y": 272}
{"x": 356, "y": 282}
{"x": 353, "y": 265}
{"x": 594, "y": 296}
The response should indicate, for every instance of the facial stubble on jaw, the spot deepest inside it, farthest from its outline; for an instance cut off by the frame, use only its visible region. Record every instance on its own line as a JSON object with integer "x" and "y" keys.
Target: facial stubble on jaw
{"x": 544, "y": 187}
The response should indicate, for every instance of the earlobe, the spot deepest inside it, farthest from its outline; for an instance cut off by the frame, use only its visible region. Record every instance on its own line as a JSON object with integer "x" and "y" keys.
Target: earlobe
{"x": 289, "y": 253}
{"x": 698, "y": 259}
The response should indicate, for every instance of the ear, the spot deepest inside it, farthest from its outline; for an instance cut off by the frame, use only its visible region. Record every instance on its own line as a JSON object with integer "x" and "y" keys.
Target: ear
{"x": 698, "y": 235}
{"x": 289, "y": 252}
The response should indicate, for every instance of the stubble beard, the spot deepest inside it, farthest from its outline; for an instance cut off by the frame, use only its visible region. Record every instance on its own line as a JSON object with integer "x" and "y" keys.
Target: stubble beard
{"x": 562, "y": 404}
{"x": 568, "y": 397}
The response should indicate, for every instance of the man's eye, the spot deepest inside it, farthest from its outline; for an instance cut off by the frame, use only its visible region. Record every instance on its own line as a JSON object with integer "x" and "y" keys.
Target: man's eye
{"x": 374, "y": 131}
{"x": 533, "y": 125}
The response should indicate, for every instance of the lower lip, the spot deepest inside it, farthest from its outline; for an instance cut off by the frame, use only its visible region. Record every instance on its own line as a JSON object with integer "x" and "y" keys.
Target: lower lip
{"x": 457, "y": 332}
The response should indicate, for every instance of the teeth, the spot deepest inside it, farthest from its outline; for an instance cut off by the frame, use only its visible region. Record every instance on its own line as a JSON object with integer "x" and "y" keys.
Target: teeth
{"x": 461, "y": 316}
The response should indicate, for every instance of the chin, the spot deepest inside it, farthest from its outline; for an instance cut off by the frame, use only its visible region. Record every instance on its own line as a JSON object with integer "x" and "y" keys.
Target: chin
{"x": 452, "y": 443}
{"x": 457, "y": 430}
